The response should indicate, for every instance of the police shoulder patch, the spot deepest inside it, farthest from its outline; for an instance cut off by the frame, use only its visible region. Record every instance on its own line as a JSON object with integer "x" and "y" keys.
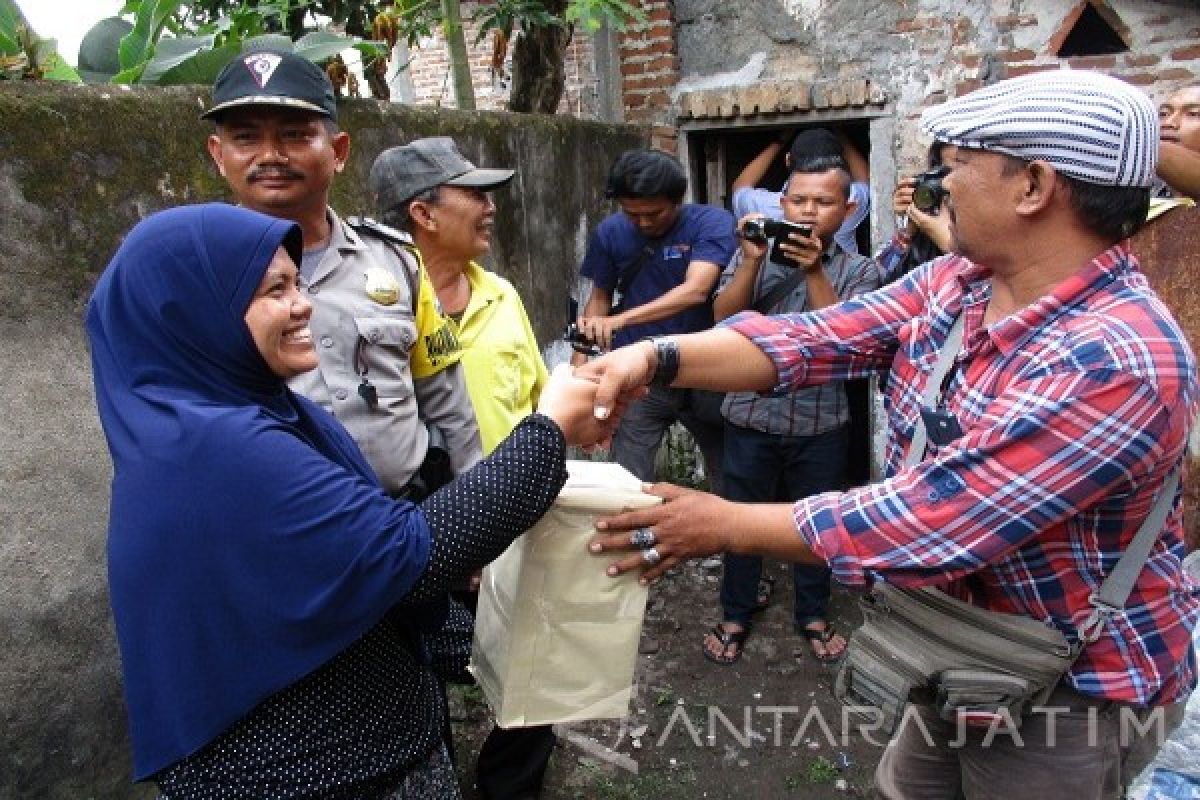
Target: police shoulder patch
{"x": 368, "y": 226}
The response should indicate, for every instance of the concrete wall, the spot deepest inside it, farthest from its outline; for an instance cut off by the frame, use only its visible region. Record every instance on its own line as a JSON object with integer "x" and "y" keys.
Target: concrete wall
{"x": 919, "y": 52}
{"x": 78, "y": 167}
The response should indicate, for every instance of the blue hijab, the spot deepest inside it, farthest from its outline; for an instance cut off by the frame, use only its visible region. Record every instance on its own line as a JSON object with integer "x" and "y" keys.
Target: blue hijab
{"x": 249, "y": 542}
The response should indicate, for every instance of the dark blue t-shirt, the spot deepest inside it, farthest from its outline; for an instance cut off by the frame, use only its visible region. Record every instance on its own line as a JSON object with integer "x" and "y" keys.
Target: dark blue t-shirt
{"x": 700, "y": 233}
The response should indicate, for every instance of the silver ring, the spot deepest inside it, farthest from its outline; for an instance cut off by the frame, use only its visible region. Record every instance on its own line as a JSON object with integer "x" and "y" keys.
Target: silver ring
{"x": 651, "y": 556}
{"x": 643, "y": 538}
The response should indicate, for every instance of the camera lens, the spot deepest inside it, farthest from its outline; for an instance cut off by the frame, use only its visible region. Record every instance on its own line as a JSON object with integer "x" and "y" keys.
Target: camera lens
{"x": 754, "y": 231}
{"x": 926, "y": 197}
{"x": 928, "y": 191}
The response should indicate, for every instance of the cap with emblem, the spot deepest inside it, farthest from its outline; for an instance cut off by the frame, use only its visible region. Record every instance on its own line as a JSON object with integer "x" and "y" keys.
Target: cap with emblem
{"x": 272, "y": 78}
{"x": 401, "y": 173}
{"x": 1086, "y": 125}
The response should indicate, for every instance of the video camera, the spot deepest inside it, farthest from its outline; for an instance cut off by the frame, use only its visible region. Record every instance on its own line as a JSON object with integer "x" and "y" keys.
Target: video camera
{"x": 761, "y": 229}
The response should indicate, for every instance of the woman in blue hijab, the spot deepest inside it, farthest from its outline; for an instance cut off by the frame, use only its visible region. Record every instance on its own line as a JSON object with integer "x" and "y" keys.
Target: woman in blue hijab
{"x": 268, "y": 595}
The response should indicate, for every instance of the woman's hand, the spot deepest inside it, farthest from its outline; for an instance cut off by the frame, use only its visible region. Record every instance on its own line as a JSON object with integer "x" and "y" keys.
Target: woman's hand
{"x": 902, "y": 197}
{"x": 570, "y": 402}
{"x": 688, "y": 524}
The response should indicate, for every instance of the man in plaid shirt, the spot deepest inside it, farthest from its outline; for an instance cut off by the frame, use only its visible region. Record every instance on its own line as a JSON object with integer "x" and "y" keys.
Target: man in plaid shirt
{"x": 1073, "y": 395}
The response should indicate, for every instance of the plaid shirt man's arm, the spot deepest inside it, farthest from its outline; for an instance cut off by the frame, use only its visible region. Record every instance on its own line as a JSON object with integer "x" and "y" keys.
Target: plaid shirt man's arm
{"x": 852, "y": 339}
{"x": 1046, "y": 449}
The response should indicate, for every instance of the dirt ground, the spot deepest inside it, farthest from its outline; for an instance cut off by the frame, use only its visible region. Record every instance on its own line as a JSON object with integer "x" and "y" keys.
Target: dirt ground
{"x": 795, "y": 745}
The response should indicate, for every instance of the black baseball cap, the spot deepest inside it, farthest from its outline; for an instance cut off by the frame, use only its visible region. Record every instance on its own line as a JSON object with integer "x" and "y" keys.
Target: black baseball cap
{"x": 401, "y": 173}
{"x": 272, "y": 78}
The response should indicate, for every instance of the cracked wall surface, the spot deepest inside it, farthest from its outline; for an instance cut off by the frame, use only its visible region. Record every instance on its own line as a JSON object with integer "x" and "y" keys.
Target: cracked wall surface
{"x": 921, "y": 52}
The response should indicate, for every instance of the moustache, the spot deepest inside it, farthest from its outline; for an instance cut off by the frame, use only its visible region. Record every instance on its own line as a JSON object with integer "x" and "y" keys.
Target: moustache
{"x": 264, "y": 173}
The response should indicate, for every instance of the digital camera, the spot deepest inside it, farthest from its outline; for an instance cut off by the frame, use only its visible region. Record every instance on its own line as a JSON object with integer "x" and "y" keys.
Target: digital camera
{"x": 928, "y": 192}
{"x": 578, "y": 340}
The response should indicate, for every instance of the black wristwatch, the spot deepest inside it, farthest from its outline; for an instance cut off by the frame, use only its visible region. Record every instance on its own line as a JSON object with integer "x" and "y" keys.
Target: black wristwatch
{"x": 666, "y": 352}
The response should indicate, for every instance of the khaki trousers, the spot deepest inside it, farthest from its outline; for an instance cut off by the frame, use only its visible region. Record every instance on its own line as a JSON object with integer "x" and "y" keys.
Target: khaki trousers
{"x": 1079, "y": 748}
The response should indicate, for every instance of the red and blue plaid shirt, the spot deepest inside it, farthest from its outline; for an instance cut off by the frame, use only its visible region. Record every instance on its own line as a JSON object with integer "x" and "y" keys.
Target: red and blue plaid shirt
{"x": 1074, "y": 410}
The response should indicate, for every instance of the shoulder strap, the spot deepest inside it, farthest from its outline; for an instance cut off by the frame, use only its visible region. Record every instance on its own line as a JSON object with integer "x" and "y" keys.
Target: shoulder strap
{"x": 400, "y": 243}
{"x": 1114, "y": 592}
{"x": 945, "y": 359}
{"x": 633, "y": 269}
{"x": 380, "y": 230}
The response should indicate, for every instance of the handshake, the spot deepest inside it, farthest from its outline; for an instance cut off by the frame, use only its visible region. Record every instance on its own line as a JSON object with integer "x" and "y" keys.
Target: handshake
{"x": 571, "y": 402}
{"x": 587, "y": 401}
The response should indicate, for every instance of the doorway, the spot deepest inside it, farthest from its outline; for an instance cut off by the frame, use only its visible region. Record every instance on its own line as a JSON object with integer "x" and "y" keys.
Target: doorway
{"x": 714, "y": 156}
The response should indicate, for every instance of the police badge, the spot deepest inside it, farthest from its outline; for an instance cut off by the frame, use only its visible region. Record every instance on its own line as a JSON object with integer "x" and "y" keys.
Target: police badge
{"x": 382, "y": 286}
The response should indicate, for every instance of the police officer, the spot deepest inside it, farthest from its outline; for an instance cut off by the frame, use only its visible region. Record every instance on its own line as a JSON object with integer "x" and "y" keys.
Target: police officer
{"x": 388, "y": 357}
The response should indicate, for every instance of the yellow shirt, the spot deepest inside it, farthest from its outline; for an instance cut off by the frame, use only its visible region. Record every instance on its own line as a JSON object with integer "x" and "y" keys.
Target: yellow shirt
{"x": 500, "y": 356}
{"x": 437, "y": 345}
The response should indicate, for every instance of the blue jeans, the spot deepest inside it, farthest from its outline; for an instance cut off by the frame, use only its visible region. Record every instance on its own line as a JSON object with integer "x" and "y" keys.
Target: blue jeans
{"x": 768, "y": 468}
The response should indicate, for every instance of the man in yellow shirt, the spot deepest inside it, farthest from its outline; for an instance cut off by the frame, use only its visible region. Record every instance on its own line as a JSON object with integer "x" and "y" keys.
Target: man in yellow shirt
{"x": 430, "y": 191}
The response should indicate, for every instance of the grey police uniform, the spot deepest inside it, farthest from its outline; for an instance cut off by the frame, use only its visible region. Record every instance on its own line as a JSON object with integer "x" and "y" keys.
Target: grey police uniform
{"x": 353, "y": 332}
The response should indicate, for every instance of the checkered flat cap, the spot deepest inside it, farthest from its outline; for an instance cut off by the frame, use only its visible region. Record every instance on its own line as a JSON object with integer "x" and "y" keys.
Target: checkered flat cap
{"x": 1086, "y": 125}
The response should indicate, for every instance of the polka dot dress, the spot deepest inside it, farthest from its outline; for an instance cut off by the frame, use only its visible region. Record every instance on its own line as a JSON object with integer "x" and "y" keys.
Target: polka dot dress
{"x": 367, "y": 724}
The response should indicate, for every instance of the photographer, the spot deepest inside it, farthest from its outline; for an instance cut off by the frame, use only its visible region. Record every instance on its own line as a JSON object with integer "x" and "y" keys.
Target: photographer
{"x": 790, "y": 446}
{"x": 922, "y": 231}
{"x": 653, "y": 268}
{"x": 749, "y": 198}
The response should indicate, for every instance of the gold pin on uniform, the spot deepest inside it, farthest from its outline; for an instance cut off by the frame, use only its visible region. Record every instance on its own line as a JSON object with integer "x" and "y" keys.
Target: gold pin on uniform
{"x": 382, "y": 286}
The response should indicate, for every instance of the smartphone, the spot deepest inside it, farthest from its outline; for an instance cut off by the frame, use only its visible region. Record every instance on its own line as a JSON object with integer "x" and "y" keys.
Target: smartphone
{"x": 784, "y": 228}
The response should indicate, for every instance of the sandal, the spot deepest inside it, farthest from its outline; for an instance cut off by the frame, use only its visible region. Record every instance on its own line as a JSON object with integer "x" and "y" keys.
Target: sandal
{"x": 727, "y": 639}
{"x": 824, "y": 636}
{"x": 762, "y": 598}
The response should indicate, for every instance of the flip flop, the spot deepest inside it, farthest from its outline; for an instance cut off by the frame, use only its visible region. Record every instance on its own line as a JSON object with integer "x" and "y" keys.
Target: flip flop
{"x": 726, "y": 638}
{"x": 762, "y": 597}
{"x": 824, "y": 636}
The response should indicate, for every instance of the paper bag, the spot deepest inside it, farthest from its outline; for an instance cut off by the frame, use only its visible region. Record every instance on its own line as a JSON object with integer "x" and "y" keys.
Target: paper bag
{"x": 556, "y": 639}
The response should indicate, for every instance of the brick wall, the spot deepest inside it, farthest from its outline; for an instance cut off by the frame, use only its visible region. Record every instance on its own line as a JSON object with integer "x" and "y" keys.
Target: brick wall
{"x": 649, "y": 59}
{"x": 920, "y": 53}
{"x": 1020, "y": 37}
{"x": 430, "y": 71}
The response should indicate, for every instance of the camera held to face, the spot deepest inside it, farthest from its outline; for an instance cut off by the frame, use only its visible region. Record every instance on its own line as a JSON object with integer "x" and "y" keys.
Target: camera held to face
{"x": 761, "y": 229}
{"x": 928, "y": 192}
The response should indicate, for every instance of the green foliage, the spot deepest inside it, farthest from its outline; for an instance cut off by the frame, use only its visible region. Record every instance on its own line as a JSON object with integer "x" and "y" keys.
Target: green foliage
{"x": 206, "y": 34}
{"x": 418, "y": 18}
{"x": 504, "y": 15}
{"x": 24, "y": 54}
{"x": 590, "y": 14}
{"x": 188, "y": 41}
